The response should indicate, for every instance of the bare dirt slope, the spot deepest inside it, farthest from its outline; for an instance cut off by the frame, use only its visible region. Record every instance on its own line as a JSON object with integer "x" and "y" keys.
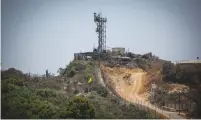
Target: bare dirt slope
{"x": 132, "y": 91}
{"x": 132, "y": 85}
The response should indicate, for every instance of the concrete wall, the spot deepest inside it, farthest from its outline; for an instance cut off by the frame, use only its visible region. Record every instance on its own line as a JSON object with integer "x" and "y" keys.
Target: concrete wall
{"x": 187, "y": 61}
{"x": 79, "y": 56}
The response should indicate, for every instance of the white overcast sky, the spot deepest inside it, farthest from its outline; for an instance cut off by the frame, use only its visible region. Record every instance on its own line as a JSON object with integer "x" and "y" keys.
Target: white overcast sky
{"x": 43, "y": 34}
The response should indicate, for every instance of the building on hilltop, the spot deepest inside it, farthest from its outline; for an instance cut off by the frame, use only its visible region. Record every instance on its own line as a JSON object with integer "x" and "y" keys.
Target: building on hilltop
{"x": 118, "y": 51}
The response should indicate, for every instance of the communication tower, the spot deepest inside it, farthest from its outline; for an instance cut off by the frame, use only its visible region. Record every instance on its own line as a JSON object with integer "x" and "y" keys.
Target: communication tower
{"x": 101, "y": 30}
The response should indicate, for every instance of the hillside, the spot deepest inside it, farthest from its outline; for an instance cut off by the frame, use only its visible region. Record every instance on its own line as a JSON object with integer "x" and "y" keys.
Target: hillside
{"x": 123, "y": 92}
{"x": 188, "y": 75}
{"x": 66, "y": 96}
{"x": 134, "y": 85}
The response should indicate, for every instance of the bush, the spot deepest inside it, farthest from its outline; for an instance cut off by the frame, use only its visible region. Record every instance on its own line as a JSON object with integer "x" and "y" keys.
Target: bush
{"x": 103, "y": 91}
{"x": 69, "y": 70}
{"x": 23, "y": 103}
{"x": 76, "y": 92}
{"x": 45, "y": 93}
{"x": 8, "y": 87}
{"x": 79, "y": 108}
{"x": 14, "y": 77}
{"x": 40, "y": 100}
{"x": 71, "y": 73}
{"x": 16, "y": 104}
{"x": 169, "y": 71}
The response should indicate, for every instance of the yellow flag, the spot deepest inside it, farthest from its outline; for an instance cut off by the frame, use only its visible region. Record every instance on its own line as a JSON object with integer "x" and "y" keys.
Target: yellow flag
{"x": 90, "y": 80}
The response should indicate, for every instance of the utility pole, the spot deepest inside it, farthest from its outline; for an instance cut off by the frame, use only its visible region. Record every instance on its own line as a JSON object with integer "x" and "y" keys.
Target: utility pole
{"x": 47, "y": 74}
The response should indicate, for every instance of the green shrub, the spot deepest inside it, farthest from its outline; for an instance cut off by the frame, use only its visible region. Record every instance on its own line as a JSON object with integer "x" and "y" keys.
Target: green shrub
{"x": 103, "y": 91}
{"x": 7, "y": 87}
{"x": 76, "y": 92}
{"x": 71, "y": 73}
{"x": 40, "y": 100}
{"x": 16, "y": 103}
{"x": 79, "y": 108}
{"x": 45, "y": 93}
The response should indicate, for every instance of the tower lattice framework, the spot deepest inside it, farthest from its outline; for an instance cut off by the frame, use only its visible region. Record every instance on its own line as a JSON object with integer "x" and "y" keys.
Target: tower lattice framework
{"x": 101, "y": 30}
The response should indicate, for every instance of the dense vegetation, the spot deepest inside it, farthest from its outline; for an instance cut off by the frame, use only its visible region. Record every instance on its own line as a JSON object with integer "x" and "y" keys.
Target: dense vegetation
{"x": 25, "y": 96}
{"x": 188, "y": 74}
{"x": 19, "y": 101}
{"x": 182, "y": 73}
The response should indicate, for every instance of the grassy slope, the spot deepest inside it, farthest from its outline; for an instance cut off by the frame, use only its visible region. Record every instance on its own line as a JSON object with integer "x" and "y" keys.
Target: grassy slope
{"x": 24, "y": 97}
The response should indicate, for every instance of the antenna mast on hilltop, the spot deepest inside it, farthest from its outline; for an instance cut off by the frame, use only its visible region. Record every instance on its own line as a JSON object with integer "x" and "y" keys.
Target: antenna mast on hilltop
{"x": 101, "y": 30}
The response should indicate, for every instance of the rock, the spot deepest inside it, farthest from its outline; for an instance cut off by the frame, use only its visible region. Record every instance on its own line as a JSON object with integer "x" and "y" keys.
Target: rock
{"x": 79, "y": 83}
{"x": 79, "y": 94}
{"x": 132, "y": 64}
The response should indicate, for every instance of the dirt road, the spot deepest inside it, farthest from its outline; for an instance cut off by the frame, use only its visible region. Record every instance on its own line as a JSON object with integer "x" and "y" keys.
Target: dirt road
{"x": 131, "y": 92}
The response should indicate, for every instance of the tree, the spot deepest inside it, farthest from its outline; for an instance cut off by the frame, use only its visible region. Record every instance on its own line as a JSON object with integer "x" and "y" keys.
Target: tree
{"x": 61, "y": 71}
{"x": 169, "y": 71}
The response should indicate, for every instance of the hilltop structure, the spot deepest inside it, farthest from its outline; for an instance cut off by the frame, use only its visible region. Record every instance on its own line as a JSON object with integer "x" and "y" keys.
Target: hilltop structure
{"x": 100, "y": 51}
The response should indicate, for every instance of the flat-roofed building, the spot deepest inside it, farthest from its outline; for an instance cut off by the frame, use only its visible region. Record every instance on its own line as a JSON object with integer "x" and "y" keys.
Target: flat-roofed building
{"x": 118, "y": 50}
